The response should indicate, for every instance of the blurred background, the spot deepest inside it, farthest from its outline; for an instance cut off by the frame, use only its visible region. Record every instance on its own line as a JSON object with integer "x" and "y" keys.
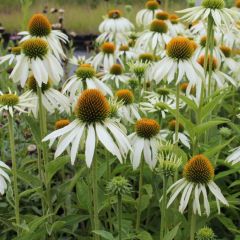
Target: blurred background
{"x": 80, "y": 16}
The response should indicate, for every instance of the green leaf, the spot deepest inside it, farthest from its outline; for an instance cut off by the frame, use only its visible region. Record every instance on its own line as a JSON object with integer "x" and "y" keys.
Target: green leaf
{"x": 235, "y": 183}
{"x": 191, "y": 104}
{"x": 212, "y": 104}
{"x": 29, "y": 179}
{"x": 29, "y": 191}
{"x": 213, "y": 150}
{"x": 56, "y": 226}
{"x": 144, "y": 236}
{"x": 226, "y": 173}
{"x": 228, "y": 223}
{"x": 104, "y": 234}
{"x": 171, "y": 235}
{"x": 201, "y": 128}
{"x": 54, "y": 166}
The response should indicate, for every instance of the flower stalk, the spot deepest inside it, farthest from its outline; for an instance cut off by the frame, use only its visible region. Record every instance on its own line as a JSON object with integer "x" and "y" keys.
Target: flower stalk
{"x": 163, "y": 207}
{"x": 95, "y": 196}
{"x": 43, "y": 132}
{"x": 14, "y": 170}
{"x": 139, "y": 202}
{"x": 119, "y": 207}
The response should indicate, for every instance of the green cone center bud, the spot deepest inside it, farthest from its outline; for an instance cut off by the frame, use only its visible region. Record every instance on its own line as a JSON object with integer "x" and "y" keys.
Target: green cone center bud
{"x": 9, "y": 99}
{"x": 214, "y": 4}
{"x": 35, "y": 48}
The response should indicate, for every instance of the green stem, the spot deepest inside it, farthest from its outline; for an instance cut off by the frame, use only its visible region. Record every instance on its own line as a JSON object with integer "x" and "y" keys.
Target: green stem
{"x": 119, "y": 217}
{"x": 43, "y": 131}
{"x": 109, "y": 200}
{"x": 211, "y": 46}
{"x": 163, "y": 208}
{"x": 177, "y": 113}
{"x": 14, "y": 171}
{"x": 95, "y": 196}
{"x": 193, "y": 227}
{"x": 139, "y": 202}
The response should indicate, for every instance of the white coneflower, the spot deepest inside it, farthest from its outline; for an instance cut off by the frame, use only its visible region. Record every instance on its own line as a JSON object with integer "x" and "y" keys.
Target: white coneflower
{"x": 40, "y": 27}
{"x": 140, "y": 68}
{"x": 11, "y": 56}
{"x": 201, "y": 49}
{"x": 234, "y": 157}
{"x": 106, "y": 57}
{"x": 11, "y": 102}
{"x": 52, "y": 99}
{"x": 227, "y": 59}
{"x": 144, "y": 142}
{"x": 198, "y": 28}
{"x": 58, "y": 125}
{"x": 35, "y": 56}
{"x": 4, "y": 178}
{"x": 115, "y": 75}
{"x": 84, "y": 77}
{"x": 79, "y": 60}
{"x": 156, "y": 106}
{"x": 218, "y": 76}
{"x": 155, "y": 38}
{"x": 182, "y": 135}
{"x": 213, "y": 8}
{"x": 129, "y": 110}
{"x": 93, "y": 124}
{"x": 145, "y": 16}
{"x": 115, "y": 28}
{"x": 126, "y": 53}
{"x": 198, "y": 175}
{"x": 175, "y": 27}
{"x": 178, "y": 63}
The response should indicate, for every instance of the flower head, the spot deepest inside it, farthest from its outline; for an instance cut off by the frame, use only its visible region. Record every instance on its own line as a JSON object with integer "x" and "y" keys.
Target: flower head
{"x": 203, "y": 41}
{"x": 201, "y": 61}
{"x": 85, "y": 71}
{"x": 213, "y": 4}
{"x": 172, "y": 126}
{"x": 227, "y": 51}
{"x": 114, "y": 14}
{"x": 92, "y": 106}
{"x": 125, "y": 95}
{"x": 61, "y": 123}
{"x": 116, "y": 69}
{"x": 199, "y": 170}
{"x": 147, "y": 128}
{"x": 237, "y": 3}
{"x": 108, "y": 47}
{"x": 180, "y": 48}
{"x": 159, "y": 26}
{"x": 146, "y": 57}
{"x": 152, "y": 5}
{"x": 205, "y": 233}
{"x": 39, "y": 25}
{"x": 119, "y": 186}
{"x": 32, "y": 84}
{"x": 161, "y": 15}
{"x": 169, "y": 160}
{"x": 35, "y": 48}
{"x": 9, "y": 99}
{"x": 174, "y": 19}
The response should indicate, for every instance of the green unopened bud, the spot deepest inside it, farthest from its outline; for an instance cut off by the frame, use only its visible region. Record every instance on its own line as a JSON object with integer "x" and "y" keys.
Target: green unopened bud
{"x": 119, "y": 186}
{"x": 205, "y": 233}
{"x": 225, "y": 132}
